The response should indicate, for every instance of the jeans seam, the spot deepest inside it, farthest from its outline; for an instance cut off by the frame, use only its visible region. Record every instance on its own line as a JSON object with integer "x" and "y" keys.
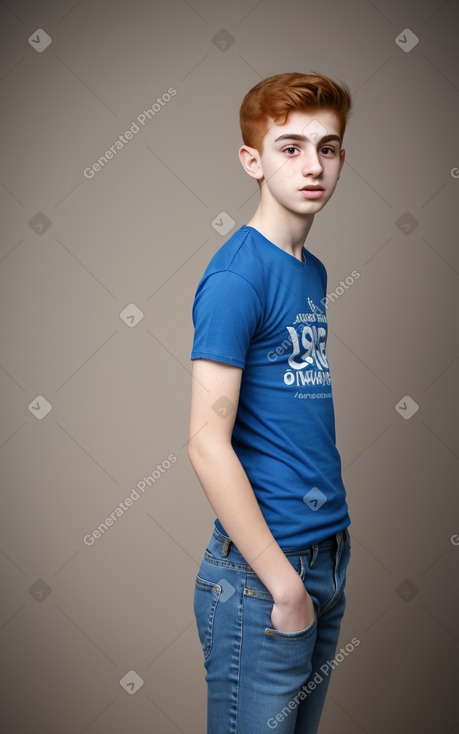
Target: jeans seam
{"x": 301, "y": 571}
{"x": 336, "y": 595}
{"x": 225, "y": 564}
{"x": 239, "y": 656}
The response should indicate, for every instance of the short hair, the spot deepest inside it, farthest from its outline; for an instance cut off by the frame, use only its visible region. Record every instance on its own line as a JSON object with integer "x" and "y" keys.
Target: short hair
{"x": 278, "y": 95}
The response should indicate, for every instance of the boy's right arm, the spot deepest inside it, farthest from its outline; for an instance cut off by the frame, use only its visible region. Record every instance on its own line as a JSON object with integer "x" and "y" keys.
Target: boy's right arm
{"x": 230, "y": 493}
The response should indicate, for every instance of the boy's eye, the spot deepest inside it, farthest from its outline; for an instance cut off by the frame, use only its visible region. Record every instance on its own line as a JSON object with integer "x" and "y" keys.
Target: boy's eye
{"x": 325, "y": 150}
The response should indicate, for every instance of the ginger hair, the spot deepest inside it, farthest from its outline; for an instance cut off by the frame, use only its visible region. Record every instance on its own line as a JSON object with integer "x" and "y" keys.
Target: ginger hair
{"x": 277, "y": 96}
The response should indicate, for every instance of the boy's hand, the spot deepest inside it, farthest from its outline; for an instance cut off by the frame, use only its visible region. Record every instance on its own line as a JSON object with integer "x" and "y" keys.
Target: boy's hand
{"x": 294, "y": 614}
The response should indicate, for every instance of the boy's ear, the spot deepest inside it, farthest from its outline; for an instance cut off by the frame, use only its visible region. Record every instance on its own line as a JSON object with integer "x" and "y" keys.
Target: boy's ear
{"x": 342, "y": 156}
{"x": 250, "y": 160}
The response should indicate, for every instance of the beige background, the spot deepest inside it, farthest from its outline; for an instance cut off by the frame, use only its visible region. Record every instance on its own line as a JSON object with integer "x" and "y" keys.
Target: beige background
{"x": 75, "y": 618}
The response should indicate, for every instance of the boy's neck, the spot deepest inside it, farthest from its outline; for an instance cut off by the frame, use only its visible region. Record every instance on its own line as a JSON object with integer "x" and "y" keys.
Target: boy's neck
{"x": 283, "y": 228}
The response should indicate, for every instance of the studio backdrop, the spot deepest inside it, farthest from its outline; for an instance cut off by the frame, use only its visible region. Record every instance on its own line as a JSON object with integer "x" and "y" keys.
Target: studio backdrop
{"x": 120, "y": 179}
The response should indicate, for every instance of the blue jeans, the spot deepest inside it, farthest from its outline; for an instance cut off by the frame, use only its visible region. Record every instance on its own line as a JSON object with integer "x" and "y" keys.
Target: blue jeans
{"x": 260, "y": 680}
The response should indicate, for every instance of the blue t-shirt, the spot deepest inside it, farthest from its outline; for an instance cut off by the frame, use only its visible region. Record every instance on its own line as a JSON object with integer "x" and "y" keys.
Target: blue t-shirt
{"x": 260, "y": 308}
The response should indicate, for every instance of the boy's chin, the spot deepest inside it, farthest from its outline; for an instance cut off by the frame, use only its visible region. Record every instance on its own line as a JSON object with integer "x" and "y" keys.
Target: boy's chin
{"x": 313, "y": 207}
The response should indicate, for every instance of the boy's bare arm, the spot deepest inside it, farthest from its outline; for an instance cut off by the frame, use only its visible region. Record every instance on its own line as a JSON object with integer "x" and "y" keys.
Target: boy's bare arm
{"x": 230, "y": 493}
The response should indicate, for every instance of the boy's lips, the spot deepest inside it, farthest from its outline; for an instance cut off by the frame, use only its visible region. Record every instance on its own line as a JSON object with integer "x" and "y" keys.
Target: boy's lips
{"x": 312, "y": 192}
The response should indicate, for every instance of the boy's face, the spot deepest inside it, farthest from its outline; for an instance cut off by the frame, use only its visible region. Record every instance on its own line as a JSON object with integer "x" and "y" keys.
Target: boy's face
{"x": 300, "y": 163}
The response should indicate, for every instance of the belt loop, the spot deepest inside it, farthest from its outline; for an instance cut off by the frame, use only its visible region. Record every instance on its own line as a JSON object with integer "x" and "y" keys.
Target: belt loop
{"x": 340, "y": 542}
{"x": 226, "y": 547}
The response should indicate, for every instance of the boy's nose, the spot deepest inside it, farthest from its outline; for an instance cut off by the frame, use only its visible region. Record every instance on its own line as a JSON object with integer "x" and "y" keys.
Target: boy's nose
{"x": 312, "y": 163}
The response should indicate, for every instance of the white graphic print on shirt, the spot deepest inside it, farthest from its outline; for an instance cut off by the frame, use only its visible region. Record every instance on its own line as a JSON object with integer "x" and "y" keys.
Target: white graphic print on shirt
{"x": 308, "y": 361}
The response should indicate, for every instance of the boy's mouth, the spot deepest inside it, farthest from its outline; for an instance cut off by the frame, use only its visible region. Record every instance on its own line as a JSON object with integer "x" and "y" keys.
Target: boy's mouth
{"x": 312, "y": 192}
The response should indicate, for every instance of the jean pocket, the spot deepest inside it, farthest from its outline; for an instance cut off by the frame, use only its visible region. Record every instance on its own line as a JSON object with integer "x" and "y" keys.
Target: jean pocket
{"x": 300, "y": 635}
{"x": 206, "y": 596}
{"x": 274, "y": 661}
{"x": 256, "y": 590}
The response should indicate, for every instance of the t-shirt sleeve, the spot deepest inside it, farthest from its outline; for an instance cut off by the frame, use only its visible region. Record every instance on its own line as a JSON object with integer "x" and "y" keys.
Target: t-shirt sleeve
{"x": 226, "y": 312}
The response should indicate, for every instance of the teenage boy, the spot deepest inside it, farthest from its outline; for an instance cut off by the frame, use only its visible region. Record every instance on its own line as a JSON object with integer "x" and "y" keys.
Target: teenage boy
{"x": 269, "y": 595}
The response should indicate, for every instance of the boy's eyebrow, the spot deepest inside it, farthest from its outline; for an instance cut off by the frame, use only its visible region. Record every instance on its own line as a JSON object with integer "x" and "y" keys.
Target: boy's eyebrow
{"x": 295, "y": 136}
